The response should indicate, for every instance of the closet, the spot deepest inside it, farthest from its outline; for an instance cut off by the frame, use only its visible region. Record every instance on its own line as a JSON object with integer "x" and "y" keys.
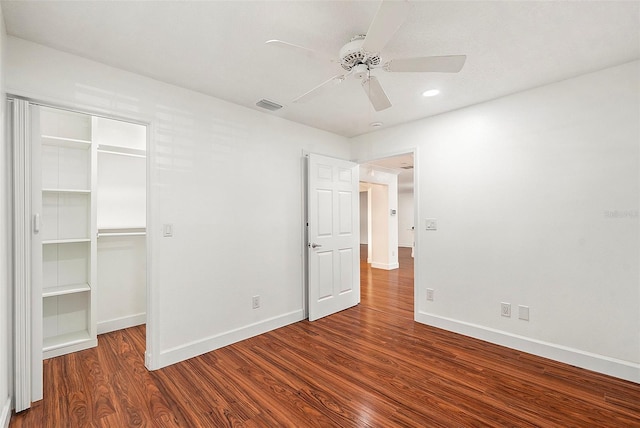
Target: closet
{"x": 89, "y": 222}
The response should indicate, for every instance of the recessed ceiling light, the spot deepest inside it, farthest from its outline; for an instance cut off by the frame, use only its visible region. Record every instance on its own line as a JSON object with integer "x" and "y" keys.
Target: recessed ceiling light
{"x": 430, "y": 93}
{"x": 376, "y": 124}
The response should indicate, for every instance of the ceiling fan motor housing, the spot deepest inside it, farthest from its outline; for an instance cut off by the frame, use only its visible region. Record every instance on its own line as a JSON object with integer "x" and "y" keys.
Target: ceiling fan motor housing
{"x": 352, "y": 55}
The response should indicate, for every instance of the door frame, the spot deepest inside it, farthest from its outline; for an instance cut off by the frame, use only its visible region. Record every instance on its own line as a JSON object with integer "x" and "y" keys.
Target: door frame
{"x": 27, "y": 386}
{"x": 416, "y": 212}
{"x": 304, "y": 190}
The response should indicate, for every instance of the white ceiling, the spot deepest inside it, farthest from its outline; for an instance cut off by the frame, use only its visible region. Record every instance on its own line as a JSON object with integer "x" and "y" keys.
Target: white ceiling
{"x": 398, "y": 165}
{"x": 217, "y": 48}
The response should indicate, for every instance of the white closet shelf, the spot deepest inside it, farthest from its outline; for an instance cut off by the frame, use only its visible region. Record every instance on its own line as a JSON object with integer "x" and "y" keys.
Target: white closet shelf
{"x": 63, "y": 340}
{"x": 74, "y": 143}
{"x": 122, "y": 231}
{"x": 65, "y": 289}
{"x": 107, "y": 234}
{"x": 123, "y": 151}
{"x": 80, "y": 191}
{"x": 65, "y": 241}
{"x": 114, "y": 228}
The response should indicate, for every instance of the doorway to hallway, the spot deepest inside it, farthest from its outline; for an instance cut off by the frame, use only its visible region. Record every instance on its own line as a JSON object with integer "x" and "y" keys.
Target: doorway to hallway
{"x": 387, "y": 239}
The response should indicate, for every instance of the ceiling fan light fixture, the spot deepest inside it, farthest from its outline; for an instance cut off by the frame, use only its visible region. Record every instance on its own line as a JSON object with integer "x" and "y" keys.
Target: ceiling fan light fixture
{"x": 360, "y": 71}
{"x": 430, "y": 93}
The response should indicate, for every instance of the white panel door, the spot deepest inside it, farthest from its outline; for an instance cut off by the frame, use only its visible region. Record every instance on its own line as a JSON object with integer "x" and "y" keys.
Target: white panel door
{"x": 333, "y": 231}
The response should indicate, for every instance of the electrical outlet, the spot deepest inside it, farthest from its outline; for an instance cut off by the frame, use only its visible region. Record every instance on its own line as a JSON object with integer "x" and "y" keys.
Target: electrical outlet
{"x": 431, "y": 224}
{"x": 255, "y": 302}
{"x": 430, "y": 294}
{"x": 505, "y": 309}
{"x": 523, "y": 312}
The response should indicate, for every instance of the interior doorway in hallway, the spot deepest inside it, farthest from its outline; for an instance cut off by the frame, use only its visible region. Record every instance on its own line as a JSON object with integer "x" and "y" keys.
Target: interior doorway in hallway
{"x": 387, "y": 224}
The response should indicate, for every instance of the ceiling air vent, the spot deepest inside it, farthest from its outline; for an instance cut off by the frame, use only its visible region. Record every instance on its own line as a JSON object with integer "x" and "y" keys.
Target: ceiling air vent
{"x": 269, "y": 105}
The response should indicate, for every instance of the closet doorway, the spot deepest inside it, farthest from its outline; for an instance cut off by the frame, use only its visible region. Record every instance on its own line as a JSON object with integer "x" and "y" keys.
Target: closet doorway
{"x": 121, "y": 223}
{"x": 82, "y": 179}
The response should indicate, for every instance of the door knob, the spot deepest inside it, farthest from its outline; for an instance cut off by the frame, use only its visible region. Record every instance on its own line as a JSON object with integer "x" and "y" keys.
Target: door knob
{"x": 314, "y": 245}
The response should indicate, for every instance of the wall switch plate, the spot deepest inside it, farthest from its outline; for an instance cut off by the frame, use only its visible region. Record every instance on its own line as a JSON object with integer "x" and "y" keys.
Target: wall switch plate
{"x": 523, "y": 312}
{"x": 431, "y": 224}
{"x": 255, "y": 302}
{"x": 505, "y": 309}
{"x": 430, "y": 294}
{"x": 167, "y": 230}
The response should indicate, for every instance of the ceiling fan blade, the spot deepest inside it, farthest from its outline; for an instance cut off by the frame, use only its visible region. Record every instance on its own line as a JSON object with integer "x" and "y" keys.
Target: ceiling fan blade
{"x": 388, "y": 19}
{"x": 299, "y": 49}
{"x": 376, "y": 94}
{"x": 335, "y": 80}
{"x": 442, "y": 64}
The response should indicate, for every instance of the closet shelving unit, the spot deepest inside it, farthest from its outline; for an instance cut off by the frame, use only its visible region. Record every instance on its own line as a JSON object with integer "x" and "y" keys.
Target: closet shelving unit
{"x": 89, "y": 204}
{"x": 67, "y": 230}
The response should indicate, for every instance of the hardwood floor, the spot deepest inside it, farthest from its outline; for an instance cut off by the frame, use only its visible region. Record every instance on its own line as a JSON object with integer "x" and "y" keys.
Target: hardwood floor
{"x": 369, "y": 366}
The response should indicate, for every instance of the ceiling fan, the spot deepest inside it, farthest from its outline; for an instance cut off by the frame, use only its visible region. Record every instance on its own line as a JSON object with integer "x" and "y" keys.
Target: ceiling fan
{"x": 362, "y": 54}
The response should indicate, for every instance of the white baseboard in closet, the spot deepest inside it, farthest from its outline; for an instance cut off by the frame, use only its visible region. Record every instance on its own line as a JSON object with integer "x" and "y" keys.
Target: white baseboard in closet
{"x": 122, "y": 322}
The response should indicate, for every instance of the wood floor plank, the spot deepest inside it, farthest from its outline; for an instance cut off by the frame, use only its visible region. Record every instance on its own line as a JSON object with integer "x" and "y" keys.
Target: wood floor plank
{"x": 96, "y": 385}
{"x": 368, "y": 366}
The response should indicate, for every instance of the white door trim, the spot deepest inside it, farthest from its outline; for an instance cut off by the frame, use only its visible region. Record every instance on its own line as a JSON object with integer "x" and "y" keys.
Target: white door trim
{"x": 304, "y": 179}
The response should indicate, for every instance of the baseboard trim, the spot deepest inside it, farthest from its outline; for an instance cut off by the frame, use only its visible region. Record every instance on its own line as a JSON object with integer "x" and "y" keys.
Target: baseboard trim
{"x": 199, "y": 347}
{"x": 122, "y": 322}
{"x": 575, "y": 357}
{"x": 5, "y": 416}
{"x": 385, "y": 266}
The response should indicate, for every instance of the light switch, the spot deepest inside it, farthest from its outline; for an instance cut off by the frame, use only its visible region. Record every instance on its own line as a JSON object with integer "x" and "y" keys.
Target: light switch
{"x": 431, "y": 224}
{"x": 167, "y": 230}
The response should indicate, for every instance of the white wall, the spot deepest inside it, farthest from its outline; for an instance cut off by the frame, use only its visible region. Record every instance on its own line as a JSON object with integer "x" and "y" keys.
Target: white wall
{"x": 405, "y": 219}
{"x": 6, "y": 280}
{"x": 122, "y": 267}
{"x": 383, "y": 197}
{"x": 536, "y": 197}
{"x": 229, "y": 180}
{"x": 364, "y": 217}
{"x": 380, "y": 230}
